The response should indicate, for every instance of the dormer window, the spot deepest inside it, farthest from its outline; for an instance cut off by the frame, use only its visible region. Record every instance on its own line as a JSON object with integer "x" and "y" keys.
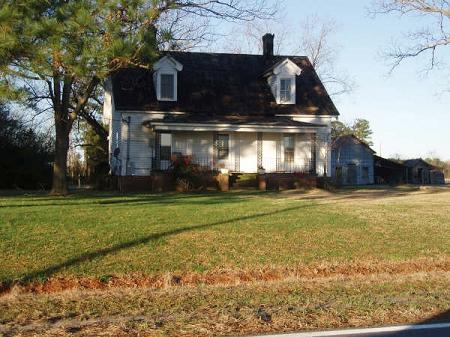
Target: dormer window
{"x": 167, "y": 87}
{"x": 281, "y": 78}
{"x": 165, "y": 78}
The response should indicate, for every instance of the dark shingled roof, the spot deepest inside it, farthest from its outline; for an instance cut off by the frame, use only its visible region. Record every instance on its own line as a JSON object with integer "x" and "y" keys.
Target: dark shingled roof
{"x": 223, "y": 84}
{"x": 234, "y": 120}
{"x": 417, "y": 161}
{"x": 388, "y": 163}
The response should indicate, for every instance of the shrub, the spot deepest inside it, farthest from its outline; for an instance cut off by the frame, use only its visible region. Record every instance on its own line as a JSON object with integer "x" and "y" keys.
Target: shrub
{"x": 190, "y": 175}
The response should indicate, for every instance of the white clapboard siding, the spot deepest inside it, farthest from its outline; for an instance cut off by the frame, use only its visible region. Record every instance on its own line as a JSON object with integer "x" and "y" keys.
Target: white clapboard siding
{"x": 141, "y": 147}
{"x": 248, "y": 152}
{"x": 199, "y": 144}
{"x": 303, "y": 151}
{"x": 271, "y": 141}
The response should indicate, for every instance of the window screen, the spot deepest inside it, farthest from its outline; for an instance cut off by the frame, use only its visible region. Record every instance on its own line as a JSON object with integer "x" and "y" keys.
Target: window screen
{"x": 167, "y": 86}
{"x": 285, "y": 90}
{"x": 289, "y": 148}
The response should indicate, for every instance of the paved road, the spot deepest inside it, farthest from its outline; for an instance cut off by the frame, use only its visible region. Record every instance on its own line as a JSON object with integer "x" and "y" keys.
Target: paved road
{"x": 431, "y": 330}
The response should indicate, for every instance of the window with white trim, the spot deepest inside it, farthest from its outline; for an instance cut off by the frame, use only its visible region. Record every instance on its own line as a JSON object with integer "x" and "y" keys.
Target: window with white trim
{"x": 167, "y": 86}
{"x": 285, "y": 90}
{"x": 165, "y": 78}
{"x": 223, "y": 146}
{"x": 289, "y": 148}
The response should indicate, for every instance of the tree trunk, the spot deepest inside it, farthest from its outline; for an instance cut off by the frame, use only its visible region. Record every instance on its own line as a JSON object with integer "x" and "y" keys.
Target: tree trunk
{"x": 59, "y": 185}
{"x": 63, "y": 125}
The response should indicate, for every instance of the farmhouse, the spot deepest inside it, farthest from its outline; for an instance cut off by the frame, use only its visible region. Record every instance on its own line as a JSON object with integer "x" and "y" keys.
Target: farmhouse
{"x": 352, "y": 161}
{"x": 235, "y": 112}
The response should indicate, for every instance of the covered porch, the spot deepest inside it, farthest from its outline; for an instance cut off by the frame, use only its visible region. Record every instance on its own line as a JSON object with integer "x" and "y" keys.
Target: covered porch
{"x": 239, "y": 145}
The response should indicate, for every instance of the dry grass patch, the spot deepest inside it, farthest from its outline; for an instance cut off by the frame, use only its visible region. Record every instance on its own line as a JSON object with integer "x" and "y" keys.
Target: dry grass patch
{"x": 222, "y": 264}
{"x": 232, "y": 276}
{"x": 256, "y": 307}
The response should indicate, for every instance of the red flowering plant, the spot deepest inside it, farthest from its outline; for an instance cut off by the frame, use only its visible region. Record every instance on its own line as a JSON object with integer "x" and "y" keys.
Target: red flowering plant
{"x": 189, "y": 175}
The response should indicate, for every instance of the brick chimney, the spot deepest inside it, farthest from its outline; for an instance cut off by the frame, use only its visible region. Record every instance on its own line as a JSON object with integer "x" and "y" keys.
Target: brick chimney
{"x": 267, "y": 40}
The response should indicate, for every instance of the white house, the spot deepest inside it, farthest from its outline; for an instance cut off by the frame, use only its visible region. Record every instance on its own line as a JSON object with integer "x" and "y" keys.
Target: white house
{"x": 235, "y": 111}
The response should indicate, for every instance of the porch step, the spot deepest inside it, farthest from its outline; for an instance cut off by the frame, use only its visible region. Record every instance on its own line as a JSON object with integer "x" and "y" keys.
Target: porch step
{"x": 243, "y": 180}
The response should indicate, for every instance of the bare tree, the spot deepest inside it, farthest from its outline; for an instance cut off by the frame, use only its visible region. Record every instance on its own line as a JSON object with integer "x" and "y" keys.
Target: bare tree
{"x": 64, "y": 50}
{"x": 246, "y": 38}
{"x": 426, "y": 40}
{"x": 315, "y": 42}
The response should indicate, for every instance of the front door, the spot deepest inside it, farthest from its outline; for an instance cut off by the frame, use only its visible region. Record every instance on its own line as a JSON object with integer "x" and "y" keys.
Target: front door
{"x": 351, "y": 174}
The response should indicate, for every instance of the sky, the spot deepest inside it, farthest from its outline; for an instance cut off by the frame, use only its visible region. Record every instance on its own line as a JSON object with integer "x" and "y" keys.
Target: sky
{"x": 408, "y": 110}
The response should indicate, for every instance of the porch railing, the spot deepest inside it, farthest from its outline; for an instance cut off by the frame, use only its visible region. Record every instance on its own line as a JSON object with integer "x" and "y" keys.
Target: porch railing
{"x": 271, "y": 165}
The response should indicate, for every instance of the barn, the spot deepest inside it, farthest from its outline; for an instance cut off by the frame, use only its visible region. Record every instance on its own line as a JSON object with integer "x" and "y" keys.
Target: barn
{"x": 418, "y": 171}
{"x": 352, "y": 161}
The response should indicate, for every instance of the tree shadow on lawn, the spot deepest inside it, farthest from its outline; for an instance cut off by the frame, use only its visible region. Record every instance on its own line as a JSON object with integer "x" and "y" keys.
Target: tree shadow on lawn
{"x": 200, "y": 198}
{"x": 47, "y": 272}
{"x": 210, "y": 198}
{"x": 369, "y": 193}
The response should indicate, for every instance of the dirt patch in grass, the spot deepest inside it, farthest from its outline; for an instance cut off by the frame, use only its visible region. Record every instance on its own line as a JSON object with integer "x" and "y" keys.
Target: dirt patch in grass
{"x": 229, "y": 276}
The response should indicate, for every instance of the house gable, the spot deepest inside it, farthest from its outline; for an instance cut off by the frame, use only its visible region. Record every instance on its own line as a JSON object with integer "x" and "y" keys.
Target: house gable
{"x": 281, "y": 73}
{"x": 165, "y": 78}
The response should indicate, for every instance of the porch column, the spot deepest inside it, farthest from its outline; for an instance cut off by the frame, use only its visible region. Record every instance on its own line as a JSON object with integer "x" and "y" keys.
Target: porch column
{"x": 259, "y": 150}
{"x": 237, "y": 152}
{"x": 313, "y": 165}
{"x": 156, "y": 162}
{"x": 215, "y": 155}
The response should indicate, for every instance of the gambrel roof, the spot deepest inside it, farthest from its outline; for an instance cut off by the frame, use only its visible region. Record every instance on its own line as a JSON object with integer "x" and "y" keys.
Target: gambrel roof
{"x": 214, "y": 84}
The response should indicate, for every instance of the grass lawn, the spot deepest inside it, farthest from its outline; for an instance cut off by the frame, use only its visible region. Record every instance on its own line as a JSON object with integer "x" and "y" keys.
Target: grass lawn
{"x": 243, "y": 235}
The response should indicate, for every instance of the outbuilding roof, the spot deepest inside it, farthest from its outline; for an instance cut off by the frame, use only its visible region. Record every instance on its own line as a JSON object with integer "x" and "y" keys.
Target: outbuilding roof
{"x": 415, "y": 162}
{"x": 350, "y": 139}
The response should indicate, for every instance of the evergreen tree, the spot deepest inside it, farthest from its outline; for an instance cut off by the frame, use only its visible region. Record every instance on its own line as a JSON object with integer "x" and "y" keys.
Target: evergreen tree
{"x": 57, "y": 52}
{"x": 360, "y": 128}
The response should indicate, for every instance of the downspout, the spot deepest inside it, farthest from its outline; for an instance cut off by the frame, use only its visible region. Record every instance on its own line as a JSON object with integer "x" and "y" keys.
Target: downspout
{"x": 127, "y": 121}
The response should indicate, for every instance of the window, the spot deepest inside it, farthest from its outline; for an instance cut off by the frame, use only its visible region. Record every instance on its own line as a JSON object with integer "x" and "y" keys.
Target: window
{"x": 365, "y": 173}
{"x": 167, "y": 87}
{"x": 222, "y": 145}
{"x": 166, "y": 146}
{"x": 289, "y": 148}
{"x": 165, "y": 78}
{"x": 285, "y": 90}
